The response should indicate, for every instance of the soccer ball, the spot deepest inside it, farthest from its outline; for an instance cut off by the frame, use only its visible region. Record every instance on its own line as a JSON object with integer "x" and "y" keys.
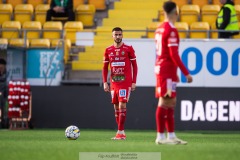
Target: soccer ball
{"x": 72, "y": 132}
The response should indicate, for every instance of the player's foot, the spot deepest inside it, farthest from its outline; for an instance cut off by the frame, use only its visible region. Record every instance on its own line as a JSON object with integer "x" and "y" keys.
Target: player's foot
{"x": 119, "y": 137}
{"x": 160, "y": 141}
{"x": 176, "y": 141}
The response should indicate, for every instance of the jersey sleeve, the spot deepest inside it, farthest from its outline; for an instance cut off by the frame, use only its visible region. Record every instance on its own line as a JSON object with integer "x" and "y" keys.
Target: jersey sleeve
{"x": 173, "y": 45}
{"x": 133, "y": 60}
{"x": 105, "y": 66}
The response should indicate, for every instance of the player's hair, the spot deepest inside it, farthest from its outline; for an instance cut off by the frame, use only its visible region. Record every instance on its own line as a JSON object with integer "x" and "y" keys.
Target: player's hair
{"x": 2, "y": 61}
{"x": 169, "y": 6}
{"x": 117, "y": 29}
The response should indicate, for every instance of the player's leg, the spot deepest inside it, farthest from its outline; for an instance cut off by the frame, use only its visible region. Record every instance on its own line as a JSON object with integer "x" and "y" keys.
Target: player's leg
{"x": 123, "y": 95}
{"x": 116, "y": 111}
{"x": 161, "y": 110}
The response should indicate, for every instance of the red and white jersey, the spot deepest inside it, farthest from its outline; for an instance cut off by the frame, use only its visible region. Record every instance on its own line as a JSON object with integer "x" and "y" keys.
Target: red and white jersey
{"x": 167, "y": 57}
{"x": 120, "y": 60}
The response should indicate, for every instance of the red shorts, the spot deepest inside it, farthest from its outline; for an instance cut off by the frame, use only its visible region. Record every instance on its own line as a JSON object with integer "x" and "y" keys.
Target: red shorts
{"x": 165, "y": 87}
{"x": 120, "y": 94}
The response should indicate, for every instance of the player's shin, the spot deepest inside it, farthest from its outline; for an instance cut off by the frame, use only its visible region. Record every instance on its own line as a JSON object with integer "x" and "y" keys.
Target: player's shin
{"x": 161, "y": 114}
{"x": 122, "y": 119}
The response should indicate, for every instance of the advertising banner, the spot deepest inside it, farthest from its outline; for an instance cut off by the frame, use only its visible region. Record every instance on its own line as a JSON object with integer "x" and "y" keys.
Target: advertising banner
{"x": 44, "y": 66}
{"x": 212, "y": 63}
{"x": 16, "y": 64}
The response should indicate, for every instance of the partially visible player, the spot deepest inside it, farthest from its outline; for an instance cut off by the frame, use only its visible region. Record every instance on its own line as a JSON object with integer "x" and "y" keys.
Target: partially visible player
{"x": 122, "y": 60}
{"x": 167, "y": 62}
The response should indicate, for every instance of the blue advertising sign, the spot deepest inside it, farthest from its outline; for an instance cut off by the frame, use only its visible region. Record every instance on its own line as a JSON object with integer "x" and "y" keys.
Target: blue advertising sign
{"x": 44, "y": 66}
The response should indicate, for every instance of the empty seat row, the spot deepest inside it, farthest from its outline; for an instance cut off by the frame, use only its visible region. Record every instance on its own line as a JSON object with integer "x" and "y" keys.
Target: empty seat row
{"x": 34, "y": 29}
{"x": 26, "y": 12}
{"x": 99, "y": 4}
{"x": 200, "y": 2}
{"x": 195, "y": 30}
{"x": 39, "y": 43}
{"x": 193, "y": 13}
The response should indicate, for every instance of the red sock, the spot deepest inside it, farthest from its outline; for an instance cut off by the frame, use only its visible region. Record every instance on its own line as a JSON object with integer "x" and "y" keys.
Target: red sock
{"x": 170, "y": 120}
{"x": 117, "y": 115}
{"x": 160, "y": 119}
{"x": 122, "y": 118}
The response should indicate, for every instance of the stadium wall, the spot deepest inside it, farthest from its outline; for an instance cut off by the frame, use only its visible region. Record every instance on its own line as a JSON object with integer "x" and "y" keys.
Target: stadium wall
{"x": 197, "y": 108}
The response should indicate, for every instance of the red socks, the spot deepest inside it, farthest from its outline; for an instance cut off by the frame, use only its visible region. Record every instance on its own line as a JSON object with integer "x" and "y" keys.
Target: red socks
{"x": 117, "y": 115}
{"x": 122, "y": 118}
{"x": 161, "y": 114}
{"x": 165, "y": 117}
{"x": 170, "y": 120}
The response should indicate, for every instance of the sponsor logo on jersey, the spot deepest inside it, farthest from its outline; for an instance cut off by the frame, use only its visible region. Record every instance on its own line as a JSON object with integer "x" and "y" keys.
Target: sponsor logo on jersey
{"x": 173, "y": 40}
{"x": 117, "y": 53}
{"x": 116, "y": 64}
{"x": 111, "y": 54}
{"x": 172, "y": 34}
{"x": 117, "y": 58}
{"x": 122, "y": 93}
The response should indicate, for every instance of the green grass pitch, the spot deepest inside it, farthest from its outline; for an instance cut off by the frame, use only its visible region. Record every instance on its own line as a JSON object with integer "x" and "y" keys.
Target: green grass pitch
{"x": 52, "y": 145}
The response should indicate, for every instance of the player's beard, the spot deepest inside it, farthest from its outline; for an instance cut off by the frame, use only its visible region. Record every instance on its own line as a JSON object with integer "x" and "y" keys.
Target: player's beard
{"x": 118, "y": 40}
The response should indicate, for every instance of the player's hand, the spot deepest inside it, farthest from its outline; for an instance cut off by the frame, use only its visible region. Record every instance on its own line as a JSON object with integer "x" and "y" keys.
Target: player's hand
{"x": 106, "y": 87}
{"x": 133, "y": 87}
{"x": 189, "y": 78}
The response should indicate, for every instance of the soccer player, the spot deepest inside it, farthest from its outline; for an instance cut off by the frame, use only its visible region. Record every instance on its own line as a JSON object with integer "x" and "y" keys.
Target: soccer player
{"x": 167, "y": 62}
{"x": 122, "y": 60}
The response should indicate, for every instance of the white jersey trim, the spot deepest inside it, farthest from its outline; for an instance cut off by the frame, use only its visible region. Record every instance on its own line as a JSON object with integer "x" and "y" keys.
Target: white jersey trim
{"x": 170, "y": 45}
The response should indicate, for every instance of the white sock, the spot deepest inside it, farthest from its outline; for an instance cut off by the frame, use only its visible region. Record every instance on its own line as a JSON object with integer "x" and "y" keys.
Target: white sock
{"x": 160, "y": 135}
{"x": 120, "y": 132}
{"x": 171, "y": 135}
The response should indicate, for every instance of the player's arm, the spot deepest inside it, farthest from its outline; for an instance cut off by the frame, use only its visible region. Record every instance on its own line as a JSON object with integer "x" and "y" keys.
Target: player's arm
{"x": 173, "y": 49}
{"x": 134, "y": 68}
{"x": 135, "y": 71}
{"x": 105, "y": 73}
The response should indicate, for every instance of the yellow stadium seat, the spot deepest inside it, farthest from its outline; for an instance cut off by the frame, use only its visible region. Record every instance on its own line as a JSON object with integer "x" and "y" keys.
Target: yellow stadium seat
{"x": 236, "y": 1}
{"x": 151, "y": 28}
{"x": 23, "y": 12}
{"x": 76, "y": 3}
{"x": 40, "y": 43}
{"x": 237, "y": 8}
{"x": 209, "y": 13}
{"x": 3, "y": 41}
{"x": 11, "y": 29}
{"x": 237, "y": 36}
{"x": 5, "y": 12}
{"x": 182, "y": 28}
{"x": 189, "y": 13}
{"x": 71, "y": 29}
{"x": 200, "y": 2}
{"x": 52, "y": 30}
{"x": 14, "y": 2}
{"x": 99, "y": 4}
{"x": 85, "y": 14}
{"x": 180, "y": 3}
{"x": 40, "y": 12}
{"x": 19, "y": 42}
{"x": 67, "y": 47}
{"x": 214, "y": 31}
{"x": 216, "y": 2}
{"x": 32, "y": 29}
{"x": 199, "y": 30}
{"x": 35, "y": 2}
